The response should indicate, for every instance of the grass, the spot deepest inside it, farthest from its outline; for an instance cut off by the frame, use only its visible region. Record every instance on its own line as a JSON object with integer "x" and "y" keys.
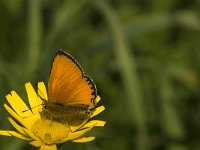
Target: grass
{"x": 142, "y": 55}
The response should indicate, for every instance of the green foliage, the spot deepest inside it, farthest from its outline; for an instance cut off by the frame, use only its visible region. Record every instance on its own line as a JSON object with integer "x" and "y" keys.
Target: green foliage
{"x": 144, "y": 57}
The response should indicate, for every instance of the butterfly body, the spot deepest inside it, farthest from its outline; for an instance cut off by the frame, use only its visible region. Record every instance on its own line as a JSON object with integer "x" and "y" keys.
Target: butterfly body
{"x": 59, "y": 109}
{"x": 68, "y": 114}
{"x": 71, "y": 94}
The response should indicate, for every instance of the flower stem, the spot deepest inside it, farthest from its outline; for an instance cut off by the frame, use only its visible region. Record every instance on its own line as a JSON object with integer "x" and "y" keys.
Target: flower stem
{"x": 128, "y": 71}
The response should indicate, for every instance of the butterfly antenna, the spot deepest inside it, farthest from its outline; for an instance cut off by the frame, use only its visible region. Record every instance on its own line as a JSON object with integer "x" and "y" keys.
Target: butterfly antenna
{"x": 29, "y": 115}
{"x": 41, "y": 97}
{"x": 32, "y": 108}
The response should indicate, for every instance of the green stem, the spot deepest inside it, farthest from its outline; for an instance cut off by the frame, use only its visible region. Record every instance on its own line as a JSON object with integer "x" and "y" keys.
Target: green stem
{"x": 170, "y": 121}
{"x": 128, "y": 71}
{"x": 34, "y": 36}
{"x": 62, "y": 18}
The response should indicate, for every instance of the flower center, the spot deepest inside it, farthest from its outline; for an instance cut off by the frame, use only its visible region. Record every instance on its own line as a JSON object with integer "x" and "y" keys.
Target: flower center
{"x": 49, "y": 131}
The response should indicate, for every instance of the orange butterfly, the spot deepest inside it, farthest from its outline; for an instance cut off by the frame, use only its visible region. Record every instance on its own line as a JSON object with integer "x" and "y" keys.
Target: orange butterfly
{"x": 71, "y": 94}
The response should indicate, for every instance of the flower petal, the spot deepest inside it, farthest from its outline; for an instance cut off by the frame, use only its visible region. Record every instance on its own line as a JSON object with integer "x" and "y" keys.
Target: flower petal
{"x": 42, "y": 92}
{"x": 84, "y": 139}
{"x": 76, "y": 134}
{"x": 31, "y": 119}
{"x": 97, "y": 123}
{"x": 36, "y": 143}
{"x": 16, "y": 126}
{"x": 18, "y": 118}
{"x": 32, "y": 97}
{"x": 15, "y": 134}
{"x": 74, "y": 128}
{"x": 48, "y": 147}
{"x": 5, "y": 133}
{"x": 18, "y": 105}
{"x": 18, "y": 135}
{"x": 97, "y": 111}
{"x": 30, "y": 134}
{"x": 98, "y": 98}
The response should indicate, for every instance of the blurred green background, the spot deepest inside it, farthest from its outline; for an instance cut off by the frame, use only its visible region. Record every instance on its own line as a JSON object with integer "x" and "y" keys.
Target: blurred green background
{"x": 143, "y": 55}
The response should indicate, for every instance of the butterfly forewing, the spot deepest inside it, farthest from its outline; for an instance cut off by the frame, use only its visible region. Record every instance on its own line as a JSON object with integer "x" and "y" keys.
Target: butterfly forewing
{"x": 67, "y": 83}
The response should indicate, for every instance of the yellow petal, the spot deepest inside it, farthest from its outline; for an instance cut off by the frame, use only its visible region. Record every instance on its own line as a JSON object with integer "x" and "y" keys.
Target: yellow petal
{"x": 76, "y": 134}
{"x": 74, "y": 128}
{"x": 17, "y": 104}
{"x": 84, "y": 139}
{"x": 98, "y": 98}
{"x": 20, "y": 136}
{"x": 42, "y": 90}
{"x": 97, "y": 111}
{"x": 36, "y": 143}
{"x": 32, "y": 97}
{"x": 18, "y": 118}
{"x": 16, "y": 126}
{"x": 48, "y": 147}
{"x": 97, "y": 123}
{"x": 5, "y": 133}
{"x": 31, "y": 135}
{"x": 15, "y": 134}
{"x": 31, "y": 119}
{"x": 49, "y": 131}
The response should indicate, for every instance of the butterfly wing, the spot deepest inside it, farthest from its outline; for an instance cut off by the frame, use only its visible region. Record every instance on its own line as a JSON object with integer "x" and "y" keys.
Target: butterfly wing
{"x": 68, "y": 84}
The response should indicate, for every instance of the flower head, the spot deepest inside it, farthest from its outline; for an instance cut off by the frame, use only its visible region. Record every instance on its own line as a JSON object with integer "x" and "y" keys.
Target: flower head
{"x": 42, "y": 132}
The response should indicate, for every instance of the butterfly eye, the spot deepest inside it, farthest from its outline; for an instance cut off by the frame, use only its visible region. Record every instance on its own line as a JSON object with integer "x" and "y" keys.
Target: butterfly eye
{"x": 45, "y": 106}
{"x": 88, "y": 112}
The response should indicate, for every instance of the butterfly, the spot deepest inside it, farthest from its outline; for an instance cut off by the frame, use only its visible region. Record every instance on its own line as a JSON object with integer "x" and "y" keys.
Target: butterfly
{"x": 71, "y": 94}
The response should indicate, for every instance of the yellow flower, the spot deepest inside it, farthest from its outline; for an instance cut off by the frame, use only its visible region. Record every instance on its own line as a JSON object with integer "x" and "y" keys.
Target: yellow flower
{"x": 40, "y": 132}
